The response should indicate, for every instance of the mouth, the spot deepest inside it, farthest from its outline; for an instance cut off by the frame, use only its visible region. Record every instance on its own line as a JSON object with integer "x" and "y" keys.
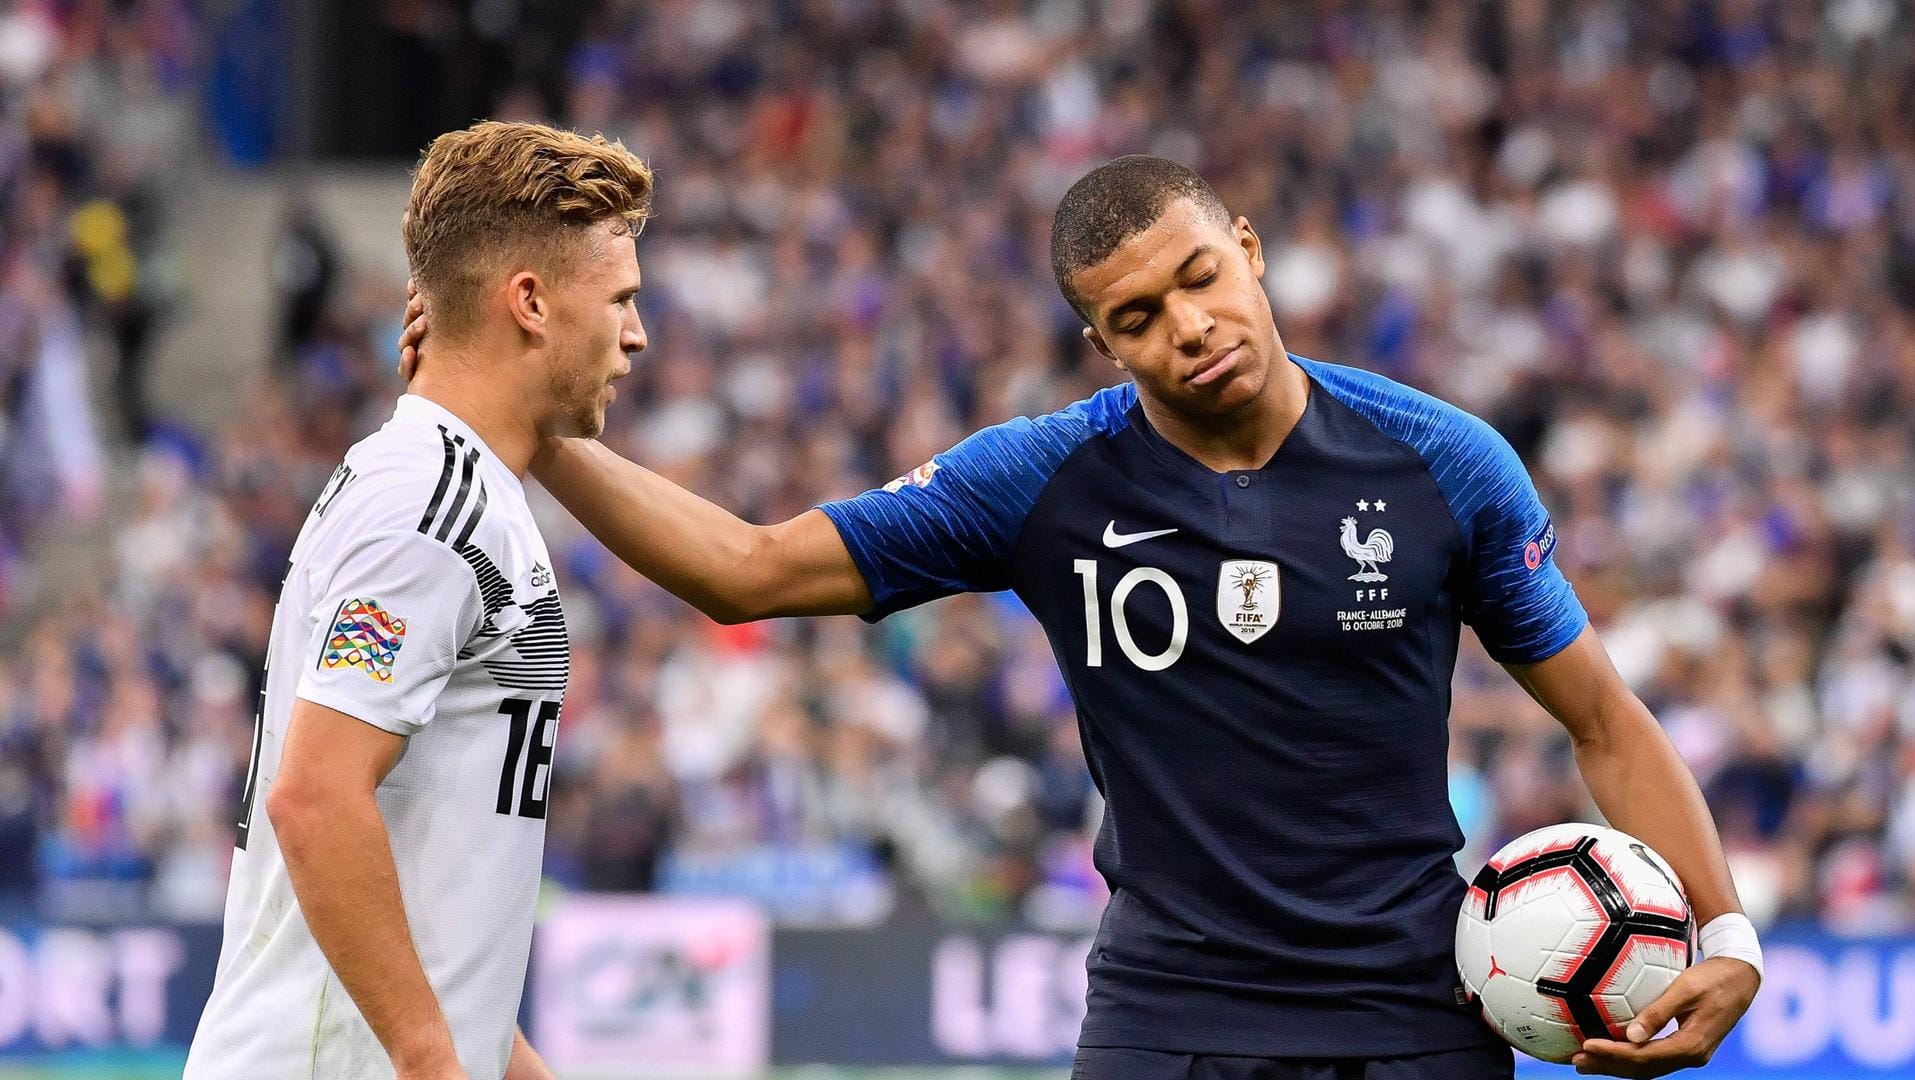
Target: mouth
{"x": 1214, "y": 367}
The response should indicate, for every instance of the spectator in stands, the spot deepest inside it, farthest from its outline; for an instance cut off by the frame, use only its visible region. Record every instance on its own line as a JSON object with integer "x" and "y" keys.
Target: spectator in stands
{"x": 1668, "y": 248}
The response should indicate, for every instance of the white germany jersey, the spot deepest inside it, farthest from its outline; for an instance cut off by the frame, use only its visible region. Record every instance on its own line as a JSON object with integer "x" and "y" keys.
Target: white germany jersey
{"x": 420, "y": 599}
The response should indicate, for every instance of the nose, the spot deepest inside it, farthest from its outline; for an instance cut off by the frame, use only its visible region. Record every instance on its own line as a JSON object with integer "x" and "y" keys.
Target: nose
{"x": 632, "y": 340}
{"x": 1189, "y": 323}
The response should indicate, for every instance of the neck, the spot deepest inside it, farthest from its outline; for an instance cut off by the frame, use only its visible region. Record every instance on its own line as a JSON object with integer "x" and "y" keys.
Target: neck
{"x": 493, "y": 408}
{"x": 1246, "y": 439}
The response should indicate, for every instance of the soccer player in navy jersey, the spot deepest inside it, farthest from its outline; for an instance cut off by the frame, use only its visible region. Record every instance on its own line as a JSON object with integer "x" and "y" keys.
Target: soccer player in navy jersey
{"x": 1253, "y": 569}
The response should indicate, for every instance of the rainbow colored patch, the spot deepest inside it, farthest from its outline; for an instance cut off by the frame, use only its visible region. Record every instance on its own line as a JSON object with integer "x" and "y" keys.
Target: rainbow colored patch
{"x": 364, "y": 635}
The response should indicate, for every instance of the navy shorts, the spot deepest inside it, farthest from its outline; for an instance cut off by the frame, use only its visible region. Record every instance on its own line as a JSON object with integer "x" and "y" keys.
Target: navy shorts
{"x": 1117, "y": 1063}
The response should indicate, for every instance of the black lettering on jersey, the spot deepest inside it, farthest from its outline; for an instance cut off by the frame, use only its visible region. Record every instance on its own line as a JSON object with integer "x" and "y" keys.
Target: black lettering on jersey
{"x": 248, "y": 794}
{"x": 334, "y": 484}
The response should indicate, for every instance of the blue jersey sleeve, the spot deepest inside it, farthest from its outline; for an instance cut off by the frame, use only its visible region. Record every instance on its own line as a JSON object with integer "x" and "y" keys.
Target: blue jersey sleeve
{"x": 949, "y": 525}
{"x": 1521, "y": 605}
{"x": 1513, "y": 594}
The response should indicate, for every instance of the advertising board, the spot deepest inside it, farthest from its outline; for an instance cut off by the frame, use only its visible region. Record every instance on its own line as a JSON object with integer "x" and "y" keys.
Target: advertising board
{"x": 680, "y": 986}
{"x": 645, "y": 986}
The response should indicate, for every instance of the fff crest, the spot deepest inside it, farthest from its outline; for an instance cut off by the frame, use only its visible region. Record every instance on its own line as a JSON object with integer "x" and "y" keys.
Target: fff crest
{"x": 1247, "y": 595}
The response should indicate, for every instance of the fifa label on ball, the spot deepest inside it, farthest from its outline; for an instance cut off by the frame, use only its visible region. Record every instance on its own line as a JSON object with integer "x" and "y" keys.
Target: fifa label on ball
{"x": 1567, "y": 933}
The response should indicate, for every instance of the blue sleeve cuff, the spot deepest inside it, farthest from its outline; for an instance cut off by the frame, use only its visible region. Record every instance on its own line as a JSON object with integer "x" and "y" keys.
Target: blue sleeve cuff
{"x": 851, "y": 531}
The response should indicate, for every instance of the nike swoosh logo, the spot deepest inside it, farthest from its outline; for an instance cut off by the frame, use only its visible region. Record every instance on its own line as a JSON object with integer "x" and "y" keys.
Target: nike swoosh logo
{"x": 1115, "y": 539}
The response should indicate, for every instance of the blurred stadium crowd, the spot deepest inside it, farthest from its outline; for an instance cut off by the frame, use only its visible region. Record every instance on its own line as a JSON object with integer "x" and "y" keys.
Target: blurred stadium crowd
{"x": 1667, "y": 247}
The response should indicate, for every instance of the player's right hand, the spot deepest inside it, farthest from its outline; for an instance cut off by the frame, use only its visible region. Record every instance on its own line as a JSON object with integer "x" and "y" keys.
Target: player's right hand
{"x": 414, "y": 332}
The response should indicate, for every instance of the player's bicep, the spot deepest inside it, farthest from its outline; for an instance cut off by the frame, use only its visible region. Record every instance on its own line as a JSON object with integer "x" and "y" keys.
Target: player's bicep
{"x": 388, "y": 620}
{"x": 812, "y": 571}
{"x": 1578, "y": 685}
{"x": 329, "y": 754}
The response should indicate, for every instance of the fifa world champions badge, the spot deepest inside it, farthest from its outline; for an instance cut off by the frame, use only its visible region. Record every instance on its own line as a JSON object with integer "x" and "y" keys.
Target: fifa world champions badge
{"x": 1247, "y": 597}
{"x": 366, "y": 636}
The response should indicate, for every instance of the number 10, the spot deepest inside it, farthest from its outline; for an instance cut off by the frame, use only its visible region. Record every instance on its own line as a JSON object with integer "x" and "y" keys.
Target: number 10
{"x": 1120, "y": 626}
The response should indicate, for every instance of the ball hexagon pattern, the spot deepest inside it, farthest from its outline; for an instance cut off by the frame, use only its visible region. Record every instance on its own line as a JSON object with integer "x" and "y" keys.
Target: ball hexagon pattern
{"x": 1567, "y": 933}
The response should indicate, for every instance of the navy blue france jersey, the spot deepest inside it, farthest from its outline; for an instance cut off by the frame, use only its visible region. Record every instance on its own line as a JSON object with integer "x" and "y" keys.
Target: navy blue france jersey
{"x": 1261, "y": 664}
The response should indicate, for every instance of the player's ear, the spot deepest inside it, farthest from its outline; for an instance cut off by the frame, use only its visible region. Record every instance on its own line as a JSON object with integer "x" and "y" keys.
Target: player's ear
{"x": 1103, "y": 347}
{"x": 527, "y": 299}
{"x": 1252, "y": 244}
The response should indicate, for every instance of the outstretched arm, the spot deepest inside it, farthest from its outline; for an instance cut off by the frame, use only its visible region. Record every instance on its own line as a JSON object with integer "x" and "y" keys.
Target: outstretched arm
{"x": 728, "y": 568}
{"x": 1643, "y": 788}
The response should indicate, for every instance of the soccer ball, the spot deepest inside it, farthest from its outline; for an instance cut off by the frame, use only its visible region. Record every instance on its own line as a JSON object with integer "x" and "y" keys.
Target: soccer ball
{"x": 1568, "y": 933}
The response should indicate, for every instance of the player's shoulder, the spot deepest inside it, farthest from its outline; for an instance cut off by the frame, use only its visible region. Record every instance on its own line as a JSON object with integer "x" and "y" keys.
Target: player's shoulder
{"x": 1437, "y": 430}
{"x": 1005, "y": 467}
{"x": 1473, "y": 466}
{"x": 1103, "y": 413}
{"x": 412, "y": 476}
{"x": 1045, "y": 441}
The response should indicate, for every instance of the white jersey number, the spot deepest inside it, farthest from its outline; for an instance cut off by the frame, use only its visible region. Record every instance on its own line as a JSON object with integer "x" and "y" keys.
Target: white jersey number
{"x": 1120, "y": 625}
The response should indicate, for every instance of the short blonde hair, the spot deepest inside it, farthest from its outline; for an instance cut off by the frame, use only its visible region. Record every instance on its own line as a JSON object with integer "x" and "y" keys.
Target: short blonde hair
{"x": 498, "y": 192}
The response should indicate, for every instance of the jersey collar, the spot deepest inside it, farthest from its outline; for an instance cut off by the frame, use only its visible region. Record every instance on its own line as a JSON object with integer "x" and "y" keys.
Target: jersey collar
{"x": 1171, "y": 452}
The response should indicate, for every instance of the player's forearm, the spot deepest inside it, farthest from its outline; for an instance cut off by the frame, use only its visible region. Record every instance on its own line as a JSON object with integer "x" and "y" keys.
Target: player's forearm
{"x": 1644, "y": 788}
{"x": 694, "y": 548}
{"x": 340, "y": 861}
{"x": 1632, "y": 769}
{"x": 728, "y": 568}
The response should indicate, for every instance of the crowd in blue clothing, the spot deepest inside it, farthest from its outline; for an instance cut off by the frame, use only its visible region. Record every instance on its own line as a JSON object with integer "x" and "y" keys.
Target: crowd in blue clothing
{"x": 1667, "y": 248}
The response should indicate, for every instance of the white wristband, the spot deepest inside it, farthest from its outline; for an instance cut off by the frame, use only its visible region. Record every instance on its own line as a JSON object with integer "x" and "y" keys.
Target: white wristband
{"x": 1731, "y": 935}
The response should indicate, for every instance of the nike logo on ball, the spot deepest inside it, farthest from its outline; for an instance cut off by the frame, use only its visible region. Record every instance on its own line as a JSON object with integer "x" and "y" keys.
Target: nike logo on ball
{"x": 1115, "y": 539}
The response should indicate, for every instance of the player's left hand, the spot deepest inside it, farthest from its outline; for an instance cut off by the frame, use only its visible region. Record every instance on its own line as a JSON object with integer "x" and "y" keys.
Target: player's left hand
{"x": 414, "y": 332}
{"x": 1704, "y": 1001}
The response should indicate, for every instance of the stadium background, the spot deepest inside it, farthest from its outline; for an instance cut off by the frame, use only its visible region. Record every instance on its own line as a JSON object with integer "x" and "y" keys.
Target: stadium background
{"x": 1666, "y": 246}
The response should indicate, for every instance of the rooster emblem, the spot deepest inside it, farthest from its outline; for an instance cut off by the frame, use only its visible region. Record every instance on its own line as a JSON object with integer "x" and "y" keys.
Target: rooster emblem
{"x": 1367, "y": 553}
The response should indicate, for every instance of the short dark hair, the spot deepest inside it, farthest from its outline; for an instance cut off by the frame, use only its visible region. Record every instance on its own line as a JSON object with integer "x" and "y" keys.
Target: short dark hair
{"x": 1115, "y": 202}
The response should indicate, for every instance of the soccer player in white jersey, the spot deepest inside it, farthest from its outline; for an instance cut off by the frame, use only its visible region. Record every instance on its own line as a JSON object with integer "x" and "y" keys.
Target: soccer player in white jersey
{"x": 380, "y": 909}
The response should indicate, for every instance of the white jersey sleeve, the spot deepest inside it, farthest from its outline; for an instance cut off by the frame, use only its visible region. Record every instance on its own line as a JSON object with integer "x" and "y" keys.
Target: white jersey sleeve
{"x": 390, "y": 614}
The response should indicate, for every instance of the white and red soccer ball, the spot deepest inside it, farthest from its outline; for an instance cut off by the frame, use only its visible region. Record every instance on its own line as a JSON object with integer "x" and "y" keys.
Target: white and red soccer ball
{"x": 1568, "y": 933}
